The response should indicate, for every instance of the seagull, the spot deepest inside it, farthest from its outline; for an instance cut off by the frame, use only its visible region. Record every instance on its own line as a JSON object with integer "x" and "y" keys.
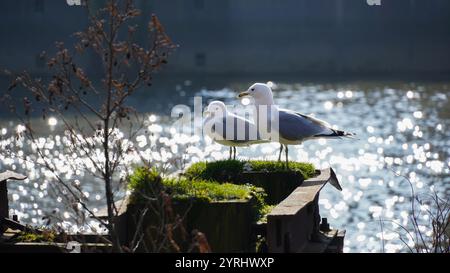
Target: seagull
{"x": 229, "y": 129}
{"x": 293, "y": 128}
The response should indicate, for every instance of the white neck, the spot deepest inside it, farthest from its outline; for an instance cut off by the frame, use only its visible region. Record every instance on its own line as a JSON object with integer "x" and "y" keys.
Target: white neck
{"x": 265, "y": 111}
{"x": 267, "y": 100}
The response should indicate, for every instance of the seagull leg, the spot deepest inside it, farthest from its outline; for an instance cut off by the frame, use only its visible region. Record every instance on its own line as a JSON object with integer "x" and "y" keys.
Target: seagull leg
{"x": 231, "y": 151}
{"x": 234, "y": 155}
{"x": 281, "y": 151}
{"x": 287, "y": 160}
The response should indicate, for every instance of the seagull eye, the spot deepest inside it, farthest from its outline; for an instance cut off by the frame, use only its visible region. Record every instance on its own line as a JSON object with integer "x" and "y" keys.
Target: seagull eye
{"x": 253, "y": 89}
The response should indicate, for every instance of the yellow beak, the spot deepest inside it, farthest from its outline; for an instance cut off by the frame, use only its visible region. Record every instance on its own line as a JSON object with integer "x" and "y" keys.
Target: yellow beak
{"x": 243, "y": 94}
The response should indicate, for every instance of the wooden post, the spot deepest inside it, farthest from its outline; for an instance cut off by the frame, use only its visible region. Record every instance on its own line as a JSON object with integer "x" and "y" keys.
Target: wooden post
{"x": 294, "y": 224}
{"x": 4, "y": 206}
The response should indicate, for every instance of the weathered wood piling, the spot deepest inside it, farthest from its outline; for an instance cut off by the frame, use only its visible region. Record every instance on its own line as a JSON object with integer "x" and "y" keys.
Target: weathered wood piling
{"x": 294, "y": 225}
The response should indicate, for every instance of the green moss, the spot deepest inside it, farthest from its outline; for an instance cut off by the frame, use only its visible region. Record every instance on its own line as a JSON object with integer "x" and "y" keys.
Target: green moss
{"x": 266, "y": 209}
{"x": 207, "y": 190}
{"x": 145, "y": 182}
{"x": 222, "y": 170}
{"x": 210, "y": 182}
{"x": 307, "y": 169}
{"x": 230, "y": 170}
{"x": 261, "y": 245}
{"x": 29, "y": 236}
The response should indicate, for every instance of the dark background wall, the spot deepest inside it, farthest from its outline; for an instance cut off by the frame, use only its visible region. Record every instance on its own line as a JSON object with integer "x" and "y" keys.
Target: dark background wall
{"x": 246, "y": 37}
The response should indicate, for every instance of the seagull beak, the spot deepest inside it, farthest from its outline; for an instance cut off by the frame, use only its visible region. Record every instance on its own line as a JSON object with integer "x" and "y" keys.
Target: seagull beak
{"x": 207, "y": 113}
{"x": 243, "y": 94}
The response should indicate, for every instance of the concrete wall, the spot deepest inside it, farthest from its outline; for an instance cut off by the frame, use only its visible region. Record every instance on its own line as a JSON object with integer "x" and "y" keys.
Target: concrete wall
{"x": 28, "y": 27}
{"x": 237, "y": 37}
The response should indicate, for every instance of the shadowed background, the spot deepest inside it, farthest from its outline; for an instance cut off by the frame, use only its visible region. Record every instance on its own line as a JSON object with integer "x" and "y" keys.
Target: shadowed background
{"x": 379, "y": 71}
{"x": 234, "y": 37}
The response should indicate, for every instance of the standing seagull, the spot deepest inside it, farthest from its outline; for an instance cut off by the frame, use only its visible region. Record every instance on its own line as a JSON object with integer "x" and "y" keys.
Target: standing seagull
{"x": 229, "y": 129}
{"x": 293, "y": 127}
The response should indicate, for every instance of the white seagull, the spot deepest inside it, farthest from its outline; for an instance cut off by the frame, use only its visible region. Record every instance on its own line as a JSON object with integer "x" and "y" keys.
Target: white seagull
{"x": 293, "y": 127}
{"x": 229, "y": 129}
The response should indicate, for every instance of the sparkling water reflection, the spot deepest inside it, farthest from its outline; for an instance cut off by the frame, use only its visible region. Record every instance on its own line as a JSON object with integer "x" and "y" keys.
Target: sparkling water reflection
{"x": 401, "y": 128}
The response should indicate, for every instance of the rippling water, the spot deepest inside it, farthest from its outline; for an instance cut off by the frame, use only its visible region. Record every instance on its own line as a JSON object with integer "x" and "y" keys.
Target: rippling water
{"x": 402, "y": 127}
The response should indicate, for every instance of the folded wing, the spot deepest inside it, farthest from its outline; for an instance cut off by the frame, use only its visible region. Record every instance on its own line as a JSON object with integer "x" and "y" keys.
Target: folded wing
{"x": 295, "y": 126}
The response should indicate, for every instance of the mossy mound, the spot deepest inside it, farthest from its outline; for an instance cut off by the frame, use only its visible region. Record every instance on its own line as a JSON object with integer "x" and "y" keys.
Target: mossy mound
{"x": 207, "y": 190}
{"x": 34, "y": 237}
{"x": 277, "y": 181}
{"x": 224, "y": 212}
{"x": 231, "y": 170}
{"x": 145, "y": 183}
{"x": 307, "y": 169}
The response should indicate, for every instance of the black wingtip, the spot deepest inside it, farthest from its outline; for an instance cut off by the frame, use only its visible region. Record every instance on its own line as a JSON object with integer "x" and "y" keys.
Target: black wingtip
{"x": 346, "y": 134}
{"x": 334, "y": 181}
{"x": 338, "y": 134}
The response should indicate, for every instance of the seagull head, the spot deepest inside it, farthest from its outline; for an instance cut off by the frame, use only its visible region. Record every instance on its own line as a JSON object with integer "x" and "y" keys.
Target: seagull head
{"x": 260, "y": 92}
{"x": 216, "y": 108}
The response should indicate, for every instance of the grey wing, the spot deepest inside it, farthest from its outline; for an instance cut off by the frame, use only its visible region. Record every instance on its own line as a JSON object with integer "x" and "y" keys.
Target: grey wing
{"x": 316, "y": 120}
{"x": 295, "y": 126}
{"x": 236, "y": 129}
{"x": 328, "y": 131}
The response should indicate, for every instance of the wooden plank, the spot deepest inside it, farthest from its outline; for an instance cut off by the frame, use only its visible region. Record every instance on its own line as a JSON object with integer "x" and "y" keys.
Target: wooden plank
{"x": 302, "y": 195}
{"x": 294, "y": 223}
{"x": 321, "y": 242}
{"x": 337, "y": 245}
{"x": 10, "y": 175}
{"x": 51, "y": 247}
{"x": 13, "y": 224}
{"x": 4, "y": 205}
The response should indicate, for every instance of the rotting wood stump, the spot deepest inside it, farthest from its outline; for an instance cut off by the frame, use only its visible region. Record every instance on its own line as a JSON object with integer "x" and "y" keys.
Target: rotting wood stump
{"x": 227, "y": 224}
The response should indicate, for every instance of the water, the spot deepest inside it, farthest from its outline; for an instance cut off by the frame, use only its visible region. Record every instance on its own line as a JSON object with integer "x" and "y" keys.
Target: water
{"x": 402, "y": 128}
